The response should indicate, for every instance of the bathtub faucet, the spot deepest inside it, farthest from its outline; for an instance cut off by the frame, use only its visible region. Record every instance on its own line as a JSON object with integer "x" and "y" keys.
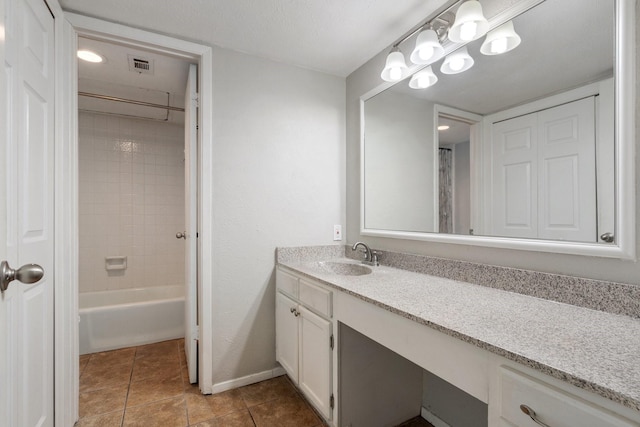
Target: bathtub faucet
{"x": 370, "y": 257}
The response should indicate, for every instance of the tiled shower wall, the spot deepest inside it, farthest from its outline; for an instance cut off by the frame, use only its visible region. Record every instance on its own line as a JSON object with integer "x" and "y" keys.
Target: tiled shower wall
{"x": 131, "y": 202}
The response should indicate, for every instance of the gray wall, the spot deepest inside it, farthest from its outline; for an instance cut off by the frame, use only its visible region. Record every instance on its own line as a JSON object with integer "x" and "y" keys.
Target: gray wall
{"x": 365, "y": 79}
{"x": 279, "y": 180}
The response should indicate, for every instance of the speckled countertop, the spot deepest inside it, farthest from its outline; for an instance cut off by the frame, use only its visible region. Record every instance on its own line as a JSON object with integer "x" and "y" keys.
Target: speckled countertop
{"x": 590, "y": 349}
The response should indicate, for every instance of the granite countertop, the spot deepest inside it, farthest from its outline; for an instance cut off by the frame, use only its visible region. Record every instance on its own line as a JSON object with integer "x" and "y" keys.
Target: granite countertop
{"x": 590, "y": 349}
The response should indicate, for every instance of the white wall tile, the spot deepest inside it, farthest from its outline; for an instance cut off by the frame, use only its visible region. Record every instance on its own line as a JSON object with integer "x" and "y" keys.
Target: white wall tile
{"x": 131, "y": 202}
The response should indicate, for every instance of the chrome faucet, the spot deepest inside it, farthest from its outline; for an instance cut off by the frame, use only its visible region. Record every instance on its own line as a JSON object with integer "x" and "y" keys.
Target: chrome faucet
{"x": 370, "y": 257}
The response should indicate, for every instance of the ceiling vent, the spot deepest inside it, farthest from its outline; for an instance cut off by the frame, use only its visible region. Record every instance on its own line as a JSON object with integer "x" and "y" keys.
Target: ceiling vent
{"x": 139, "y": 64}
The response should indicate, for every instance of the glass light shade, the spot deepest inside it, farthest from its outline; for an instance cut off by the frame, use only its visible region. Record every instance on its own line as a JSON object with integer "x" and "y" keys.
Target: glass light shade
{"x": 87, "y": 55}
{"x": 395, "y": 67}
{"x": 470, "y": 23}
{"x": 457, "y": 62}
{"x": 501, "y": 40}
{"x": 423, "y": 79}
{"x": 428, "y": 48}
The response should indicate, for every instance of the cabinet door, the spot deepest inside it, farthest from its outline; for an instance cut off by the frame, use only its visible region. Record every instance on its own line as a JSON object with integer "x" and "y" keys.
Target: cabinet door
{"x": 315, "y": 360}
{"x": 287, "y": 335}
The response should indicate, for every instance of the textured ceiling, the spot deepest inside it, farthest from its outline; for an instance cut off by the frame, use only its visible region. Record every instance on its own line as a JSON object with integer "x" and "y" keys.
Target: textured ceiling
{"x": 333, "y": 36}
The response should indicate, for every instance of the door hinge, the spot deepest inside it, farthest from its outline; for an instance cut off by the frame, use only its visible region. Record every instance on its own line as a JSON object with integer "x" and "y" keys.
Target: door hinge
{"x": 331, "y": 341}
{"x": 196, "y": 98}
{"x": 331, "y": 401}
{"x": 196, "y": 333}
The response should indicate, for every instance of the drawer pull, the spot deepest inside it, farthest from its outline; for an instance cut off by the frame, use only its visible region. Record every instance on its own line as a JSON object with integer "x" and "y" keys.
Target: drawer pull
{"x": 532, "y": 414}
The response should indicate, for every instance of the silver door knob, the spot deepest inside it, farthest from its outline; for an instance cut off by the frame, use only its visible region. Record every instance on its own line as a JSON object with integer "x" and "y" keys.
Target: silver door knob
{"x": 28, "y": 273}
{"x": 607, "y": 237}
{"x": 181, "y": 235}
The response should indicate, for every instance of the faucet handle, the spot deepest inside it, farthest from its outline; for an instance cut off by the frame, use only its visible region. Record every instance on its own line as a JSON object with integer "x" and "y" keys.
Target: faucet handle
{"x": 374, "y": 258}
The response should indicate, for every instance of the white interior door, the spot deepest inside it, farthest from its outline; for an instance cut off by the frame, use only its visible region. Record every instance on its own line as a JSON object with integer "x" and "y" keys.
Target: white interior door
{"x": 567, "y": 165}
{"x": 514, "y": 187}
{"x": 26, "y": 148}
{"x": 191, "y": 200}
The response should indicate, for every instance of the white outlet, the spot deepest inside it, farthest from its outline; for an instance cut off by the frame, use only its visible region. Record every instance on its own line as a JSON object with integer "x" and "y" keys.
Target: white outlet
{"x": 337, "y": 232}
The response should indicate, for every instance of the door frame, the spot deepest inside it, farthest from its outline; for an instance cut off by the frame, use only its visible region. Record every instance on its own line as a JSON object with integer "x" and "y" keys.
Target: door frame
{"x": 66, "y": 262}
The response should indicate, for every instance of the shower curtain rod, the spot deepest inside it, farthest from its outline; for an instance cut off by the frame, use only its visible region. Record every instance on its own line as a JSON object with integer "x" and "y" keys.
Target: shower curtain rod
{"x": 130, "y": 101}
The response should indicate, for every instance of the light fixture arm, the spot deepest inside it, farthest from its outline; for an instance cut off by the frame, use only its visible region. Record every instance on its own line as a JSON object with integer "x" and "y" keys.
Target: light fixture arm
{"x": 429, "y": 23}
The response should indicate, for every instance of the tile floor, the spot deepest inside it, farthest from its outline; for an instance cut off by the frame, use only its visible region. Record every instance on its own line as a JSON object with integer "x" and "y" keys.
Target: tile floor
{"x": 148, "y": 386}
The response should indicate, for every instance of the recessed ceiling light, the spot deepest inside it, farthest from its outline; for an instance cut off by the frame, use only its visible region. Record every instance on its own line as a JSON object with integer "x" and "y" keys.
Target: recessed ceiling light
{"x": 443, "y": 127}
{"x": 87, "y": 55}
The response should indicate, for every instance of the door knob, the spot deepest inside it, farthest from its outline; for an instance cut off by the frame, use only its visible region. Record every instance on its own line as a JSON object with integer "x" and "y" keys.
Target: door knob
{"x": 181, "y": 235}
{"x": 28, "y": 273}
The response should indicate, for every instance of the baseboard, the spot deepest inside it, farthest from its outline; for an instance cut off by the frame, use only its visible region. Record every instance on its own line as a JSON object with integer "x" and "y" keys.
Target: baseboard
{"x": 432, "y": 418}
{"x": 249, "y": 379}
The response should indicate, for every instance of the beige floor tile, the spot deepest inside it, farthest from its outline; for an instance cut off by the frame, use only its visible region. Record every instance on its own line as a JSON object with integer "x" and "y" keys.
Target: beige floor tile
{"x": 165, "y": 349}
{"x": 201, "y": 408}
{"x": 96, "y": 376}
{"x": 265, "y": 391}
{"x": 84, "y": 361}
{"x": 147, "y": 391}
{"x": 235, "y": 419}
{"x": 165, "y": 413}
{"x": 291, "y": 411}
{"x": 103, "y": 401}
{"x": 153, "y": 367}
{"x": 114, "y": 357}
{"x": 113, "y": 419}
{"x": 416, "y": 422}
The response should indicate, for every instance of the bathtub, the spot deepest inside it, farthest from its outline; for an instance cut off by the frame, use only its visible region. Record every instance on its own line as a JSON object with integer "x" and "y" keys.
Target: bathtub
{"x": 130, "y": 317}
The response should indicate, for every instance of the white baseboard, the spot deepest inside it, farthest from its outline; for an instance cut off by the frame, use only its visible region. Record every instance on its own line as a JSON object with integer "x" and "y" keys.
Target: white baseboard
{"x": 249, "y": 379}
{"x": 433, "y": 419}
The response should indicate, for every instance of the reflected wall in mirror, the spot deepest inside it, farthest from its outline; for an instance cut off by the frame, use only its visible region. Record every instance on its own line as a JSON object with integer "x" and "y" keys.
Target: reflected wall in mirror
{"x": 530, "y": 149}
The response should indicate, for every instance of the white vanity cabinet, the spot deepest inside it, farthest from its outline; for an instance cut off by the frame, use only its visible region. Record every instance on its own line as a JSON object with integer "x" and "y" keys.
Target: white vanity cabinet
{"x": 304, "y": 337}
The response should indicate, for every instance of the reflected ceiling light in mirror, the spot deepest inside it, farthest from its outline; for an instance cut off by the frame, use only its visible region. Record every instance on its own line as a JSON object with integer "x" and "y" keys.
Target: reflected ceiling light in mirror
{"x": 470, "y": 23}
{"x": 428, "y": 48}
{"x": 443, "y": 127}
{"x": 501, "y": 40}
{"x": 395, "y": 68}
{"x": 89, "y": 56}
{"x": 423, "y": 79}
{"x": 457, "y": 62}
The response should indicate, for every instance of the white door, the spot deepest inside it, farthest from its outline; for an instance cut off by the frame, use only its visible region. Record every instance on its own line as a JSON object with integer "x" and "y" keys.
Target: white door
{"x": 514, "y": 187}
{"x": 315, "y": 360}
{"x": 26, "y": 212}
{"x": 191, "y": 207}
{"x": 287, "y": 335}
{"x": 567, "y": 179}
{"x": 544, "y": 174}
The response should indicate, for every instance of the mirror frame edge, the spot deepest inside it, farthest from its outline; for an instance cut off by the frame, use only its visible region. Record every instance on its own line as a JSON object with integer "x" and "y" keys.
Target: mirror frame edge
{"x": 625, "y": 174}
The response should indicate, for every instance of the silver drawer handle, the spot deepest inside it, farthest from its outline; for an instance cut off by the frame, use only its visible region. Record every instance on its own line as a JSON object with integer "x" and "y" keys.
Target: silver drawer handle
{"x": 607, "y": 237}
{"x": 532, "y": 414}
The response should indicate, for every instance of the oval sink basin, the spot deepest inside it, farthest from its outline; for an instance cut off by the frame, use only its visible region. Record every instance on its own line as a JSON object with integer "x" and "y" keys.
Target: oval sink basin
{"x": 341, "y": 268}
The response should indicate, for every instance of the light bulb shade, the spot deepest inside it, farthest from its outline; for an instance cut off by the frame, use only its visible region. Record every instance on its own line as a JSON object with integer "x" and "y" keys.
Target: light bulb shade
{"x": 428, "y": 48}
{"x": 395, "y": 68}
{"x": 470, "y": 23}
{"x": 501, "y": 40}
{"x": 423, "y": 79}
{"x": 457, "y": 62}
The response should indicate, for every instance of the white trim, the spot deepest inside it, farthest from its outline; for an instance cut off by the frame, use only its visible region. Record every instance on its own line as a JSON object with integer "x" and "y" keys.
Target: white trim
{"x": 625, "y": 247}
{"x": 249, "y": 379}
{"x": 432, "y": 418}
{"x": 204, "y": 56}
{"x": 65, "y": 347}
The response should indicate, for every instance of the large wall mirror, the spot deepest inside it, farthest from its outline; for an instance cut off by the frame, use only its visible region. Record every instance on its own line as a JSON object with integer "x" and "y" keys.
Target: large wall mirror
{"x": 532, "y": 149}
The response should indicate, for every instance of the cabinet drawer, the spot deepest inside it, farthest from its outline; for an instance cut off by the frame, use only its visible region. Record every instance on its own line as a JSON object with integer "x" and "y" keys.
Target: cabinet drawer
{"x": 315, "y": 297}
{"x": 552, "y": 406}
{"x": 287, "y": 283}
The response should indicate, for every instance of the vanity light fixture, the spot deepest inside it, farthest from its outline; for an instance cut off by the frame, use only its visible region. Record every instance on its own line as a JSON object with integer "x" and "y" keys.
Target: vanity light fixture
{"x": 89, "y": 56}
{"x": 470, "y": 23}
{"x": 457, "y": 62}
{"x": 423, "y": 79}
{"x": 501, "y": 40}
{"x": 428, "y": 48}
{"x": 395, "y": 68}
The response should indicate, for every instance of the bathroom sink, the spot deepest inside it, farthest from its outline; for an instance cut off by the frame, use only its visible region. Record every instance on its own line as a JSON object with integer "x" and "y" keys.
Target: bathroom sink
{"x": 341, "y": 268}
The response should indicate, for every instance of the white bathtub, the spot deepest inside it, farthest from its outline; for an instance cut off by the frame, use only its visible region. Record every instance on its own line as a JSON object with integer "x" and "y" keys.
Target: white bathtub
{"x": 130, "y": 317}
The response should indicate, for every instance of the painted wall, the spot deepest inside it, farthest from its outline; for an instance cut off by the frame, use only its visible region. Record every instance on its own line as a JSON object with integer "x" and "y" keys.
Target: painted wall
{"x": 367, "y": 78}
{"x": 399, "y": 159}
{"x": 462, "y": 189}
{"x": 279, "y": 180}
{"x": 131, "y": 202}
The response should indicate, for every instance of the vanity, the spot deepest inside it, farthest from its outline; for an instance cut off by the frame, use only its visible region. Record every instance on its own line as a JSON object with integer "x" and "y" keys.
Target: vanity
{"x": 522, "y": 356}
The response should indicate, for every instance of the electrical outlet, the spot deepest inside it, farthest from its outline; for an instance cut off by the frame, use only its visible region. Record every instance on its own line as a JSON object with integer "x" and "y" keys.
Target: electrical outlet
{"x": 337, "y": 232}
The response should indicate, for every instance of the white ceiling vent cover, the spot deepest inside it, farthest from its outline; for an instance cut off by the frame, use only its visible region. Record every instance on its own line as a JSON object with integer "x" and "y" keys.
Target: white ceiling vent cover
{"x": 139, "y": 64}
